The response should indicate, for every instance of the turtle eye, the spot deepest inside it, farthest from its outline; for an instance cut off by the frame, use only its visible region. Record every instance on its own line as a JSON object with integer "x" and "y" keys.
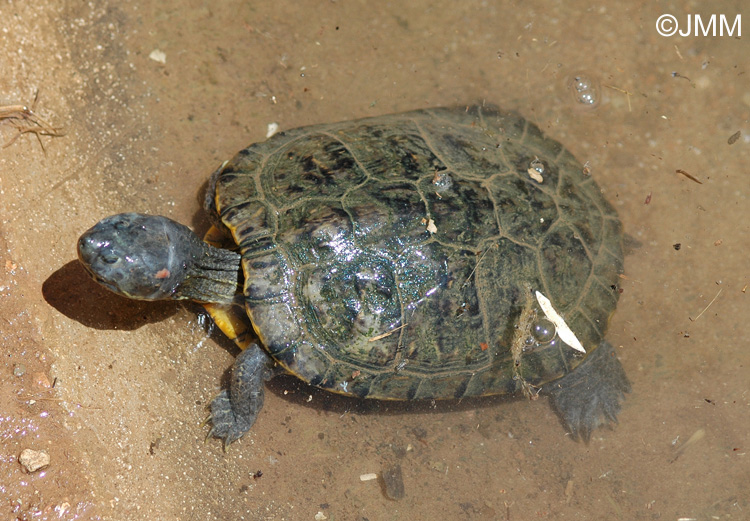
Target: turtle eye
{"x": 109, "y": 259}
{"x": 122, "y": 224}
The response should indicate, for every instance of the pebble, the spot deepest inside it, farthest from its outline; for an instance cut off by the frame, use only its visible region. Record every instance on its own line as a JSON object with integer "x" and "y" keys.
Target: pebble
{"x": 272, "y": 129}
{"x": 440, "y": 466}
{"x": 33, "y": 460}
{"x": 158, "y": 56}
{"x": 394, "y": 482}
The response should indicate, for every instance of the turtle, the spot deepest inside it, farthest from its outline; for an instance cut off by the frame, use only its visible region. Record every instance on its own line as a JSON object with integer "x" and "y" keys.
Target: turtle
{"x": 395, "y": 257}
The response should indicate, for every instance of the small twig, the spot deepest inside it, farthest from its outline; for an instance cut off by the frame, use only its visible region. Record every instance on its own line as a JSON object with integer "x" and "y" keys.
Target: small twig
{"x": 624, "y": 91}
{"x": 477, "y": 265}
{"x": 709, "y": 305}
{"x": 689, "y": 176}
{"x": 387, "y": 333}
{"x": 25, "y": 120}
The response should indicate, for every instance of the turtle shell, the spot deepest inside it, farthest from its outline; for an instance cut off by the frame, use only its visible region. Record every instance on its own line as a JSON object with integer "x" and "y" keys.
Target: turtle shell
{"x": 393, "y": 257}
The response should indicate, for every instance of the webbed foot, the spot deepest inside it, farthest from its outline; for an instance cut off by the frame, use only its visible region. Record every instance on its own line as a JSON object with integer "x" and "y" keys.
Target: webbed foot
{"x": 591, "y": 394}
{"x": 234, "y": 410}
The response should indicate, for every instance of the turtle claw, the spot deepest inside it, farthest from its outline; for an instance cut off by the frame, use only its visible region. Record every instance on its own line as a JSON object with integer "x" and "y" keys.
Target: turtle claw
{"x": 213, "y": 433}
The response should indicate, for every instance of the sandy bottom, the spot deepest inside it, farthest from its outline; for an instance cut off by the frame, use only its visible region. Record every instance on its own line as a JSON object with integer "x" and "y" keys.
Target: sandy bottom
{"x": 152, "y": 96}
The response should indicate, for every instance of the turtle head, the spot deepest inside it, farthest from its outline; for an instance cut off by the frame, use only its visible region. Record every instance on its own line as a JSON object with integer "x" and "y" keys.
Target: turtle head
{"x": 144, "y": 257}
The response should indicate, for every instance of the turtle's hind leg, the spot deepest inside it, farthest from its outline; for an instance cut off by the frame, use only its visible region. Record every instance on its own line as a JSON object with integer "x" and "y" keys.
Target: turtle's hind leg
{"x": 590, "y": 395}
{"x": 234, "y": 410}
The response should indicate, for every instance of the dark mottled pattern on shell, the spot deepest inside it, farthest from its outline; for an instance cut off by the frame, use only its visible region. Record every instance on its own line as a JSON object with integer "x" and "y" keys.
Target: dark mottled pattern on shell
{"x": 349, "y": 289}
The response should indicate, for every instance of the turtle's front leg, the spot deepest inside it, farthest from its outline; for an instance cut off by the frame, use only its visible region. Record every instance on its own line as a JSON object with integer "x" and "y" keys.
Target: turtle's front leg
{"x": 234, "y": 410}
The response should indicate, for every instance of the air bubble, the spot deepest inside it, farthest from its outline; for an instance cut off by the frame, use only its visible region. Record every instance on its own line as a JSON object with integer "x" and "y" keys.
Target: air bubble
{"x": 585, "y": 89}
{"x": 537, "y": 165}
{"x": 442, "y": 182}
{"x": 543, "y": 331}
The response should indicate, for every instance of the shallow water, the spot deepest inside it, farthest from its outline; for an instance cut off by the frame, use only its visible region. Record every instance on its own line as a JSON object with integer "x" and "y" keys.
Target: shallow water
{"x": 116, "y": 391}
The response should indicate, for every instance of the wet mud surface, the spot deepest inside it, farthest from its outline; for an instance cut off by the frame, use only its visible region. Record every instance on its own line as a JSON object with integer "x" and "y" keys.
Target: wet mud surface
{"x": 116, "y": 391}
